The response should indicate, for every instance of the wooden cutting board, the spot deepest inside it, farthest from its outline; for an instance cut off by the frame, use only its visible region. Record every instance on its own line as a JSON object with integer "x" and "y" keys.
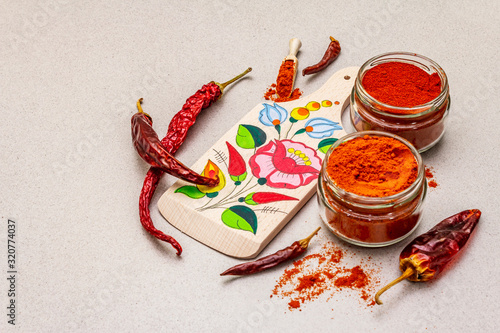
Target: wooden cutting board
{"x": 268, "y": 165}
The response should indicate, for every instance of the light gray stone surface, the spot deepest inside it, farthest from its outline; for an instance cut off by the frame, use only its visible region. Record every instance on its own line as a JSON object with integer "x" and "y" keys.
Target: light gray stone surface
{"x": 70, "y": 73}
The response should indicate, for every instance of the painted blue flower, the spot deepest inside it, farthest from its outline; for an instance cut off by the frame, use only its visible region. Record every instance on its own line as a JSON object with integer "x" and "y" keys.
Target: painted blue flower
{"x": 273, "y": 115}
{"x": 318, "y": 128}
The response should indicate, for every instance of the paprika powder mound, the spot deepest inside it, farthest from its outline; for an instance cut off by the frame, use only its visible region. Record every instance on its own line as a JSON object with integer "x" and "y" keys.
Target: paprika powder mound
{"x": 371, "y": 188}
{"x": 372, "y": 166}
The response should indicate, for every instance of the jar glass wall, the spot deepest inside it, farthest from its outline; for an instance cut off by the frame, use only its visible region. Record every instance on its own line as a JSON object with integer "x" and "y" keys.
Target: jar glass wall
{"x": 422, "y": 125}
{"x": 371, "y": 221}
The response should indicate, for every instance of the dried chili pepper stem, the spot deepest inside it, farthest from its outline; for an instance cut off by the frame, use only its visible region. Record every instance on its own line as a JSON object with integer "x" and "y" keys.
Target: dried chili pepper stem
{"x": 304, "y": 243}
{"x": 222, "y": 86}
{"x": 139, "y": 107}
{"x": 272, "y": 260}
{"x": 409, "y": 272}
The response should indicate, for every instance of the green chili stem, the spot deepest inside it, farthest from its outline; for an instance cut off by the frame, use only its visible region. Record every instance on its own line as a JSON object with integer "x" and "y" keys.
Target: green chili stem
{"x": 409, "y": 272}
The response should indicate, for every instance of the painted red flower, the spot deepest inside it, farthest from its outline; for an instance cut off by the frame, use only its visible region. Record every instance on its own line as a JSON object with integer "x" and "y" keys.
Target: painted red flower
{"x": 285, "y": 164}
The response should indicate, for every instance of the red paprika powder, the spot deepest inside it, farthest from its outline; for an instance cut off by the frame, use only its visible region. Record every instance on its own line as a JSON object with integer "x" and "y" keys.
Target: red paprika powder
{"x": 404, "y": 94}
{"x": 326, "y": 273}
{"x": 430, "y": 177}
{"x": 401, "y": 84}
{"x": 283, "y": 85}
{"x": 371, "y": 188}
{"x": 372, "y": 166}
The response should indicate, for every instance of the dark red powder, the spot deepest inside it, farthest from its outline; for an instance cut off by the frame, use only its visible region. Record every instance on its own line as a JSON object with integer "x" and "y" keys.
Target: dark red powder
{"x": 401, "y": 84}
{"x": 430, "y": 175}
{"x": 294, "y": 304}
{"x": 432, "y": 184}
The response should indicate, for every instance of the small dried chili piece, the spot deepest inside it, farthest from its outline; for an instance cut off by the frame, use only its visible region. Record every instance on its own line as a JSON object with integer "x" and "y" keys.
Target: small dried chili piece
{"x": 176, "y": 135}
{"x": 272, "y": 260}
{"x": 426, "y": 256}
{"x": 150, "y": 148}
{"x": 332, "y": 52}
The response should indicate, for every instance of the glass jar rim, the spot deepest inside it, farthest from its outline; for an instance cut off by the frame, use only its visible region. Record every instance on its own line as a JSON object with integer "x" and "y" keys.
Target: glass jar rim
{"x": 366, "y": 201}
{"x": 406, "y": 111}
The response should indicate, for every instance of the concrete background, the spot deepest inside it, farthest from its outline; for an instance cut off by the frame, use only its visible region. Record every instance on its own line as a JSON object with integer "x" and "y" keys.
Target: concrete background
{"x": 70, "y": 73}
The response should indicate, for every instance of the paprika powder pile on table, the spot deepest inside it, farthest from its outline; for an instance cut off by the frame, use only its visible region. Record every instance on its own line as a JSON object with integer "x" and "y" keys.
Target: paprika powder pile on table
{"x": 429, "y": 174}
{"x": 327, "y": 273}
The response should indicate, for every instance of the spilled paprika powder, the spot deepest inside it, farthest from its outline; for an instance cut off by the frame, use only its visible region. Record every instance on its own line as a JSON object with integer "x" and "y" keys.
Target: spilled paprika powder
{"x": 327, "y": 272}
{"x": 371, "y": 188}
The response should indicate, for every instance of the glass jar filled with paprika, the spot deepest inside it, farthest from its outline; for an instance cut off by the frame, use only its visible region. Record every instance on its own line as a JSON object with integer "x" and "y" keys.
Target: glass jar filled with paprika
{"x": 371, "y": 188}
{"x": 402, "y": 93}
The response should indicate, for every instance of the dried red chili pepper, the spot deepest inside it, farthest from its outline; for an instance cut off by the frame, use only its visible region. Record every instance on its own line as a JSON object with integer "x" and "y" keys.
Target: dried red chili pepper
{"x": 177, "y": 131}
{"x": 151, "y": 150}
{"x": 272, "y": 260}
{"x": 332, "y": 52}
{"x": 426, "y": 256}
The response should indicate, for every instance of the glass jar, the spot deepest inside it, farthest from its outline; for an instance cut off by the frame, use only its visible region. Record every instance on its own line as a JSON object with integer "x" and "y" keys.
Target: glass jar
{"x": 371, "y": 221}
{"x": 422, "y": 125}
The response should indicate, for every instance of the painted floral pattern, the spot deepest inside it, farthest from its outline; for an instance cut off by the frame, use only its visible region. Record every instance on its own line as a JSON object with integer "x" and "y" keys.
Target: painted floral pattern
{"x": 319, "y": 128}
{"x": 275, "y": 166}
{"x": 285, "y": 164}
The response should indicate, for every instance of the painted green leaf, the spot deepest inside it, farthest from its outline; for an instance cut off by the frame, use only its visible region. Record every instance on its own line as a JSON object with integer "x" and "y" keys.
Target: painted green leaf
{"x": 249, "y": 199}
{"x": 239, "y": 178}
{"x": 300, "y": 131}
{"x": 325, "y": 144}
{"x": 240, "y": 217}
{"x": 249, "y": 137}
{"x": 278, "y": 128}
{"x": 191, "y": 191}
{"x": 293, "y": 120}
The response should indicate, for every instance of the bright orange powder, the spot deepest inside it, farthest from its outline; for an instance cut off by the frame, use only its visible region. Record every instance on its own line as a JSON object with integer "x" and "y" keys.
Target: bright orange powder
{"x": 372, "y": 166}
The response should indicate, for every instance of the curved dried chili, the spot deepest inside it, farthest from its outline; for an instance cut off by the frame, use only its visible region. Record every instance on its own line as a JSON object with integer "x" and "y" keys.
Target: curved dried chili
{"x": 272, "y": 260}
{"x": 426, "y": 256}
{"x": 332, "y": 52}
{"x": 175, "y": 136}
{"x": 154, "y": 152}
